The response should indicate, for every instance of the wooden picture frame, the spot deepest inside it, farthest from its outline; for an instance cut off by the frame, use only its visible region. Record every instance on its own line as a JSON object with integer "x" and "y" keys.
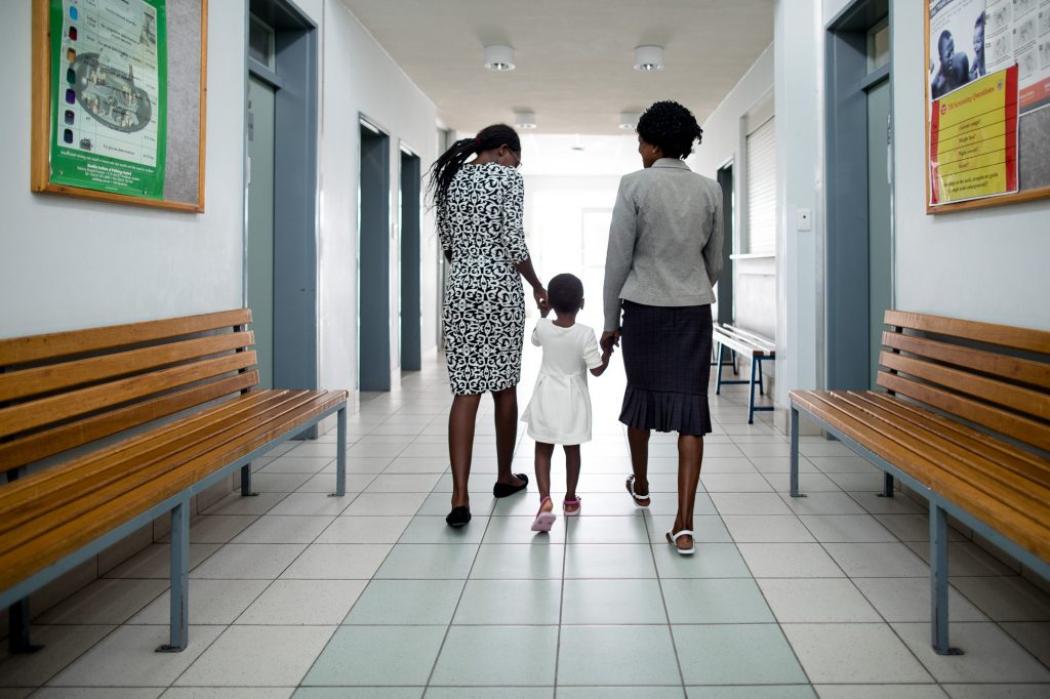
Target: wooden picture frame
{"x": 1021, "y": 196}
{"x": 41, "y": 127}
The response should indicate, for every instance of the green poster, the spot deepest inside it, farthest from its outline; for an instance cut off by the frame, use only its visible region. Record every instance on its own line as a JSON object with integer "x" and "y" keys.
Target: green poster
{"x": 109, "y": 95}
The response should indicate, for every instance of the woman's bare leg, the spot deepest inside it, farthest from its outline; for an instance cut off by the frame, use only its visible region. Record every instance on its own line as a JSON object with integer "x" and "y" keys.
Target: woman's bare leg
{"x": 461, "y": 419}
{"x": 506, "y": 402}
{"x": 690, "y": 457}
{"x": 639, "y": 443}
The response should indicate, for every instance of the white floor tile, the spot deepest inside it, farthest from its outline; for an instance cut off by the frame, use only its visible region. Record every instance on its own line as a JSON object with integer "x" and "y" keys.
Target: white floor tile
{"x": 246, "y": 656}
{"x": 815, "y": 600}
{"x": 307, "y": 602}
{"x": 990, "y": 655}
{"x": 853, "y": 653}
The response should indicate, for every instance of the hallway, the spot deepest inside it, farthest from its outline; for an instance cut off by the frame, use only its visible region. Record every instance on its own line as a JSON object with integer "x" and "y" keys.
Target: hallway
{"x": 373, "y": 596}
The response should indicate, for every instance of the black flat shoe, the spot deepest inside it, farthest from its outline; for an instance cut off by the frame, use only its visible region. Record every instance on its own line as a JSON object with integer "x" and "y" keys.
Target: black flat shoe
{"x": 502, "y": 490}
{"x": 458, "y": 517}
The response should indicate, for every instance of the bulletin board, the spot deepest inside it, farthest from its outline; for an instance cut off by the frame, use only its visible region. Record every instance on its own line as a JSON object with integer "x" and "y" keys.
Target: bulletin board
{"x": 118, "y": 110}
{"x": 987, "y": 103}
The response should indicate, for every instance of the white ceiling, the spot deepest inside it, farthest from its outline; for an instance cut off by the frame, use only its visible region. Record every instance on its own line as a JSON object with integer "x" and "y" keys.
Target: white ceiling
{"x": 574, "y": 57}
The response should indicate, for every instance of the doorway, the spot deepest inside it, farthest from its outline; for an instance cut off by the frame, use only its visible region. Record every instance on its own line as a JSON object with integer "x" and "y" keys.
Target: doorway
{"x": 725, "y": 279}
{"x": 373, "y": 260}
{"x": 410, "y": 312}
{"x": 280, "y": 260}
{"x": 260, "y": 270}
{"x": 858, "y": 266}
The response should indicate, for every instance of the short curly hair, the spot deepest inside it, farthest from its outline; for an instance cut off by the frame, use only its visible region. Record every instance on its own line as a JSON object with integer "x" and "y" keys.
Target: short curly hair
{"x": 670, "y": 127}
{"x": 565, "y": 293}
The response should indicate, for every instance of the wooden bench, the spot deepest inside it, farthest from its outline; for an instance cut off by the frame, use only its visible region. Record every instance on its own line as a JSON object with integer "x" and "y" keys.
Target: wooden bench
{"x": 60, "y": 394}
{"x": 755, "y": 347}
{"x": 965, "y": 422}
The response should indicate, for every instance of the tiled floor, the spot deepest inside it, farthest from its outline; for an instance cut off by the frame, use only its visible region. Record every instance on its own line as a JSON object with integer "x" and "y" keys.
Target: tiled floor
{"x": 371, "y": 595}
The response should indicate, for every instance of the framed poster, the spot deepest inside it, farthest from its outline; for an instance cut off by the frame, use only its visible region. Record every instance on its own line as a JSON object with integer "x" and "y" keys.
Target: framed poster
{"x": 118, "y": 101}
{"x": 987, "y": 103}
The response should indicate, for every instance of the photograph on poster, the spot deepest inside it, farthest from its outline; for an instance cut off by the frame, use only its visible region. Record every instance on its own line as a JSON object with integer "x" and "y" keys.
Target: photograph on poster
{"x": 989, "y": 92}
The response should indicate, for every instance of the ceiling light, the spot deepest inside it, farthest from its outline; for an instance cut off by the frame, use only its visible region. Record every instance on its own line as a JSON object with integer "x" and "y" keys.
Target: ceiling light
{"x": 629, "y": 120}
{"x": 649, "y": 58}
{"x": 499, "y": 58}
{"x": 525, "y": 120}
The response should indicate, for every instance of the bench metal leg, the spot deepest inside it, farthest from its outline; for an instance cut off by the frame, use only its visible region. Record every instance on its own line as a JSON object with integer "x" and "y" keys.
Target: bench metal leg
{"x": 340, "y": 454}
{"x": 246, "y": 481}
{"x": 939, "y": 581}
{"x": 751, "y": 397}
{"x": 18, "y": 629}
{"x": 718, "y": 382}
{"x": 180, "y": 579}
{"x": 761, "y": 388}
{"x": 887, "y": 486}
{"x": 794, "y": 454}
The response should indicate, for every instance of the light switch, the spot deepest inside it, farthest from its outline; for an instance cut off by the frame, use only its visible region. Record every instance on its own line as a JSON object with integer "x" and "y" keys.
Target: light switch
{"x": 804, "y": 219}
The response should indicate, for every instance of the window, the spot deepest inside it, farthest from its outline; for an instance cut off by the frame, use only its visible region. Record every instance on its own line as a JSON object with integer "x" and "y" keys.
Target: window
{"x": 762, "y": 190}
{"x": 879, "y": 45}
{"x": 261, "y": 42}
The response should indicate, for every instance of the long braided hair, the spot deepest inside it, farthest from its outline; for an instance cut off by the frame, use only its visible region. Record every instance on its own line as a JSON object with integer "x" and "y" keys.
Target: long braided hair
{"x": 445, "y": 167}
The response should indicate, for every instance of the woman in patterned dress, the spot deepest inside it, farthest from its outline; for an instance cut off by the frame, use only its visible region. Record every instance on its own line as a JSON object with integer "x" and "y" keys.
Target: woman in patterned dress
{"x": 479, "y": 211}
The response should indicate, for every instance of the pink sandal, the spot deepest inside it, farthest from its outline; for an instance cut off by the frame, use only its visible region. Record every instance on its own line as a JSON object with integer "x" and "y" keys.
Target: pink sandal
{"x": 575, "y": 504}
{"x": 544, "y": 520}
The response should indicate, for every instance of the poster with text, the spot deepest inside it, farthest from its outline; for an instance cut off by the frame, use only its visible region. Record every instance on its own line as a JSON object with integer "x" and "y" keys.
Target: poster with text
{"x": 109, "y": 80}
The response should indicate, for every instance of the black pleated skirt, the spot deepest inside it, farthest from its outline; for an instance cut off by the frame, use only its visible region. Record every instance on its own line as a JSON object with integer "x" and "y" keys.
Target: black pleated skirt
{"x": 667, "y": 355}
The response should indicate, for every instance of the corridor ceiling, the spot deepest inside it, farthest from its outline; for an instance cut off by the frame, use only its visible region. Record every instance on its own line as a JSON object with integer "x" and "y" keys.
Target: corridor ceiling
{"x": 574, "y": 57}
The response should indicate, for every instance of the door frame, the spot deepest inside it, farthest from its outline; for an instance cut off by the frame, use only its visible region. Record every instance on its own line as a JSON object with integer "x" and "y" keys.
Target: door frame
{"x": 410, "y": 356}
{"x": 726, "y": 307}
{"x": 846, "y": 261}
{"x": 382, "y": 378}
{"x": 295, "y": 279}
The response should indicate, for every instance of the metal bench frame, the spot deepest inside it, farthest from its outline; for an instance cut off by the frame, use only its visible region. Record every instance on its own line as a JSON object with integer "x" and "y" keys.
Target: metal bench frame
{"x": 940, "y": 509}
{"x": 758, "y": 355}
{"x": 179, "y": 508}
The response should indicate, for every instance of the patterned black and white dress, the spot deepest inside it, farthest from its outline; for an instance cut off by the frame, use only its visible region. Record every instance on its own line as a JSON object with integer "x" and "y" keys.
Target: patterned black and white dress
{"x": 484, "y": 314}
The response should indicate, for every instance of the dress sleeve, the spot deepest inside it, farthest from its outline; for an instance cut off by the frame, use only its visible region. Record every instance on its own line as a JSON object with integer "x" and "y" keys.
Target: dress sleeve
{"x": 443, "y": 233}
{"x": 513, "y": 218}
{"x": 592, "y": 353}
{"x": 536, "y": 336}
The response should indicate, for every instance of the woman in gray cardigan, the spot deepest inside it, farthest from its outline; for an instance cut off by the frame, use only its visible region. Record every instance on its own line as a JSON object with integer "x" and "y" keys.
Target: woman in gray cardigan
{"x": 665, "y": 255}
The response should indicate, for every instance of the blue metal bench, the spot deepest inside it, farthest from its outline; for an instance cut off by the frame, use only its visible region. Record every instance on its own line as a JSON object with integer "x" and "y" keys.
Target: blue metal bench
{"x": 756, "y": 348}
{"x": 964, "y": 422}
{"x": 104, "y": 430}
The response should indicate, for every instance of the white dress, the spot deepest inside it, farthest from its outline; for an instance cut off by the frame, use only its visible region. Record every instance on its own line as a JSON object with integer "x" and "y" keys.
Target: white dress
{"x": 560, "y": 409}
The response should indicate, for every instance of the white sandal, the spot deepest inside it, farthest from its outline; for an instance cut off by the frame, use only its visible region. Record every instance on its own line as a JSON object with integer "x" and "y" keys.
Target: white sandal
{"x": 634, "y": 495}
{"x": 673, "y": 537}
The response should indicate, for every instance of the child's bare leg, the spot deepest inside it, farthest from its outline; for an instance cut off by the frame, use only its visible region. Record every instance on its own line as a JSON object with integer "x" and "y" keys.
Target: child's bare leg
{"x": 572, "y": 470}
{"x": 544, "y": 452}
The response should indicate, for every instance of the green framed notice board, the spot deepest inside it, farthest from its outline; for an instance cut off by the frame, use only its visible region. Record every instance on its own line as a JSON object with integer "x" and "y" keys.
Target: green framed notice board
{"x": 119, "y": 100}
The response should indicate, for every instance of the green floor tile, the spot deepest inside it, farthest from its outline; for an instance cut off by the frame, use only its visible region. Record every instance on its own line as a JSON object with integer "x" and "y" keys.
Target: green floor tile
{"x": 406, "y": 602}
{"x": 519, "y": 561}
{"x": 613, "y": 602}
{"x": 428, "y": 561}
{"x": 709, "y": 561}
{"x": 715, "y": 601}
{"x": 797, "y": 691}
{"x": 736, "y": 654}
{"x": 617, "y": 655}
{"x": 376, "y": 656}
{"x": 609, "y": 561}
{"x": 508, "y": 602}
{"x": 497, "y": 655}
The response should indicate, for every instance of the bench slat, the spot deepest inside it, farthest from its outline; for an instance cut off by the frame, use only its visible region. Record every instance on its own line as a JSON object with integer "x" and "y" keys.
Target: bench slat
{"x": 46, "y": 411}
{"x": 1019, "y": 526}
{"x": 41, "y": 445}
{"x": 1020, "y": 399}
{"x": 764, "y": 343}
{"x": 20, "y": 531}
{"x": 1023, "y": 493}
{"x": 738, "y": 344}
{"x": 1014, "y": 368}
{"x": 988, "y": 333}
{"x": 20, "y": 563}
{"x": 1020, "y": 461}
{"x": 56, "y": 482}
{"x": 1021, "y": 428}
{"x": 54, "y": 377}
{"x": 22, "y": 350}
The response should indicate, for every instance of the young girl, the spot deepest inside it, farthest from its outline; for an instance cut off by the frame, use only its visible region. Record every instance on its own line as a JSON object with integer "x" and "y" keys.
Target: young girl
{"x": 560, "y": 409}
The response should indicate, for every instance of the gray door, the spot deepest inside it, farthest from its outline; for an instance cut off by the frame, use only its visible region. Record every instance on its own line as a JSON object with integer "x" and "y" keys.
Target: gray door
{"x": 260, "y": 223}
{"x": 880, "y": 262}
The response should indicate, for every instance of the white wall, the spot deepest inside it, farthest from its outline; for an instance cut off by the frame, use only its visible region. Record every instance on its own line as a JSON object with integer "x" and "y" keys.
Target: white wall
{"x": 359, "y": 77}
{"x": 988, "y": 265}
{"x": 69, "y": 263}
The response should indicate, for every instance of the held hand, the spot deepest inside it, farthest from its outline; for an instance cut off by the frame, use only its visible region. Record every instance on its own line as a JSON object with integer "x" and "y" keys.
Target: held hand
{"x": 539, "y": 294}
{"x": 610, "y": 339}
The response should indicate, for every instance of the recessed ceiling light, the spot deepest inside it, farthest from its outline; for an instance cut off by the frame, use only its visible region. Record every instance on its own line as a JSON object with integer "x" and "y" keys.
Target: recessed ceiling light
{"x": 525, "y": 120}
{"x": 629, "y": 120}
{"x": 649, "y": 58}
{"x": 499, "y": 58}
